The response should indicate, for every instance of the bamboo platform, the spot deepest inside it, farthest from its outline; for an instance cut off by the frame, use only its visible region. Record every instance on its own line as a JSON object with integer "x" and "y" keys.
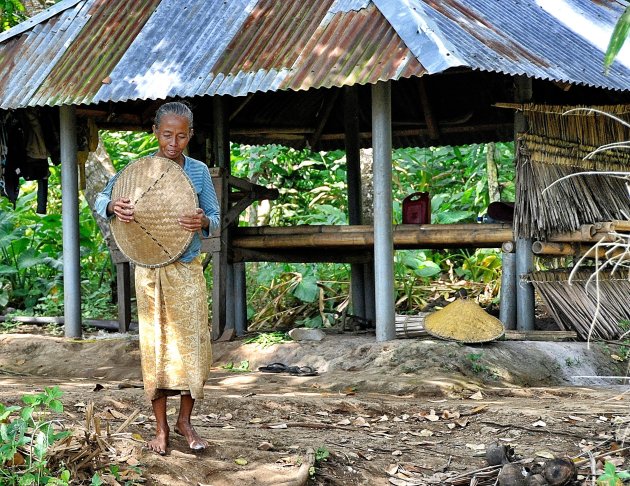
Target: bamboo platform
{"x": 354, "y": 243}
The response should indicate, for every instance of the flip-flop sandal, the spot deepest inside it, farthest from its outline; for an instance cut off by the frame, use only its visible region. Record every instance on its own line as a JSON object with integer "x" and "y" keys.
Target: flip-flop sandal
{"x": 302, "y": 371}
{"x": 273, "y": 368}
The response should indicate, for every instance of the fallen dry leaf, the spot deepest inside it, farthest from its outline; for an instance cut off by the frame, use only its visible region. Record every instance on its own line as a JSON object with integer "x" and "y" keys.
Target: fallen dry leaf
{"x": 462, "y": 422}
{"x": 476, "y": 396}
{"x": 539, "y": 423}
{"x": 432, "y": 417}
{"x": 392, "y": 469}
{"x": 476, "y": 447}
{"x": 361, "y": 422}
{"x": 545, "y": 454}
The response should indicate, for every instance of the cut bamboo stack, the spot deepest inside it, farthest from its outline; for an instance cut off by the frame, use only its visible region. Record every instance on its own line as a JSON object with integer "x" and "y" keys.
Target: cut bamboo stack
{"x": 592, "y": 305}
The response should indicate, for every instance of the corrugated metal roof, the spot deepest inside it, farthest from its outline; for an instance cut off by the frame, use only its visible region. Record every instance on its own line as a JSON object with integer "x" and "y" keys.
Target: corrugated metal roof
{"x": 116, "y": 50}
{"x": 561, "y": 40}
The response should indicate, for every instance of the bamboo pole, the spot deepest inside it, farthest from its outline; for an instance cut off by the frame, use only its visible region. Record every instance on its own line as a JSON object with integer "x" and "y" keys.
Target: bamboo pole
{"x": 405, "y": 236}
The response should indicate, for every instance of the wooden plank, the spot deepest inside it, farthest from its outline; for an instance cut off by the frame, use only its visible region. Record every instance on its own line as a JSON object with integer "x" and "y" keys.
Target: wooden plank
{"x": 540, "y": 336}
{"x": 123, "y": 288}
{"x": 221, "y": 146}
{"x": 301, "y": 256}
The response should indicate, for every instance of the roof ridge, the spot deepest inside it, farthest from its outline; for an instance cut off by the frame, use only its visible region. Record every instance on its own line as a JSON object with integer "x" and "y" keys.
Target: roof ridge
{"x": 38, "y": 18}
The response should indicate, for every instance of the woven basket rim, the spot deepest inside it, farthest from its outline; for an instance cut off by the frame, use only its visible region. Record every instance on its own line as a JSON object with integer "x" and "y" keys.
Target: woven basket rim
{"x": 500, "y": 328}
{"x": 183, "y": 194}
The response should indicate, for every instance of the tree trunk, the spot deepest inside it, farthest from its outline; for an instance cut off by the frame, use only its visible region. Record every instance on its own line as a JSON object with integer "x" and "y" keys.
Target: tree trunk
{"x": 98, "y": 170}
{"x": 493, "y": 174}
{"x": 367, "y": 185}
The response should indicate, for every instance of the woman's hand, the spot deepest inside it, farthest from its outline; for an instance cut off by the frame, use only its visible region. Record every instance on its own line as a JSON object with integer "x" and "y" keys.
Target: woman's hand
{"x": 122, "y": 209}
{"x": 194, "y": 221}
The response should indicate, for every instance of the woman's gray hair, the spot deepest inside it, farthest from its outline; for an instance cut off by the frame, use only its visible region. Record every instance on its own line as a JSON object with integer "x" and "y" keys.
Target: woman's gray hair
{"x": 174, "y": 108}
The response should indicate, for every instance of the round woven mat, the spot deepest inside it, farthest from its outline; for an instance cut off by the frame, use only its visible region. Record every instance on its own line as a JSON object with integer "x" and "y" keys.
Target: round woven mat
{"x": 464, "y": 321}
{"x": 160, "y": 192}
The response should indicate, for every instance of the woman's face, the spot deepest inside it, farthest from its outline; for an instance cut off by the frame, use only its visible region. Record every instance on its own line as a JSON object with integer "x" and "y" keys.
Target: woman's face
{"x": 173, "y": 135}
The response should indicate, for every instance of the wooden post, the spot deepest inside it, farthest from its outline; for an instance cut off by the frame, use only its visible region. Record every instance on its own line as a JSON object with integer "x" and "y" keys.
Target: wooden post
{"x": 221, "y": 154}
{"x": 240, "y": 299}
{"x": 123, "y": 284}
{"x": 70, "y": 222}
{"x": 353, "y": 168}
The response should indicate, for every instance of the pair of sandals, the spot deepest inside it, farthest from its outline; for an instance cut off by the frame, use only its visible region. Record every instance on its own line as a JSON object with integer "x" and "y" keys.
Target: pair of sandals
{"x": 292, "y": 370}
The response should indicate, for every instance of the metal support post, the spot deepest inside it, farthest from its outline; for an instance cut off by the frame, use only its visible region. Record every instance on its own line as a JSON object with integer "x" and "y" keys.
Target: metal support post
{"x": 383, "y": 235}
{"x": 507, "y": 305}
{"x": 70, "y": 222}
{"x": 525, "y": 297}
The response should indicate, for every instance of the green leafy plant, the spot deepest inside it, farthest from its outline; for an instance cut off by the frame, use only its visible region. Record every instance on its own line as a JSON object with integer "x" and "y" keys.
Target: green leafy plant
{"x": 617, "y": 39}
{"x": 266, "y": 339}
{"x": 475, "y": 365}
{"x": 569, "y": 361}
{"x": 612, "y": 477}
{"x": 26, "y": 435}
{"x": 12, "y": 12}
{"x": 241, "y": 367}
{"x": 321, "y": 454}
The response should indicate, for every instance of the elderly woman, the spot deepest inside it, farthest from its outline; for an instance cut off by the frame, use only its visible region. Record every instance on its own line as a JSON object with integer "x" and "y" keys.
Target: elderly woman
{"x": 174, "y": 335}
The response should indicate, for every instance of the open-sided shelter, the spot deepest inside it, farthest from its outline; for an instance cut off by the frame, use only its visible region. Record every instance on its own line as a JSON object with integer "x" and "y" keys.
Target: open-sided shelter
{"x": 319, "y": 73}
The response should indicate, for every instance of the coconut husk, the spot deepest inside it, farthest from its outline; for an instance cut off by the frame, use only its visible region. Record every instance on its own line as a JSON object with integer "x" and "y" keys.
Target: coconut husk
{"x": 464, "y": 321}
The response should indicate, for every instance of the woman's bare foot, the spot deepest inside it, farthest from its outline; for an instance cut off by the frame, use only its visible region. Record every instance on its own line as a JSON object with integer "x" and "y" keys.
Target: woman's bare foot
{"x": 195, "y": 442}
{"x": 160, "y": 442}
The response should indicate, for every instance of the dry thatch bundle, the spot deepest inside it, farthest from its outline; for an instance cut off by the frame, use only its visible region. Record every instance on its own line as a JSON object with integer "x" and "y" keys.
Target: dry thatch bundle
{"x": 92, "y": 448}
{"x": 592, "y": 303}
{"x": 577, "y": 127}
{"x": 566, "y": 206}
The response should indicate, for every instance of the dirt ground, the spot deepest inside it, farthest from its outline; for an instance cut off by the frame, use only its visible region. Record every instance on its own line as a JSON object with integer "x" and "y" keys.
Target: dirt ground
{"x": 405, "y": 412}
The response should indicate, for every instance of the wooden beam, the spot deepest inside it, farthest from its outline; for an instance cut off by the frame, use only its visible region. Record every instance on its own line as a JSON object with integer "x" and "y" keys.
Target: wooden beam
{"x": 429, "y": 116}
{"x": 329, "y": 104}
{"x": 302, "y": 256}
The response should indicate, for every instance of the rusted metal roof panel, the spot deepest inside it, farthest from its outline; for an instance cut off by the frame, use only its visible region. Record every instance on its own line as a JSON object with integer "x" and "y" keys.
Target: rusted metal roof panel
{"x": 85, "y": 65}
{"x": 263, "y": 45}
{"x": 559, "y": 40}
{"x": 356, "y": 47}
{"x": 174, "y": 52}
{"x": 27, "y": 59}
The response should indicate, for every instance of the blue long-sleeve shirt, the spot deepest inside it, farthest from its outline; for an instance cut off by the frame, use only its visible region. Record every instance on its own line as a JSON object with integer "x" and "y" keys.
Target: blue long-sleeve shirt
{"x": 202, "y": 182}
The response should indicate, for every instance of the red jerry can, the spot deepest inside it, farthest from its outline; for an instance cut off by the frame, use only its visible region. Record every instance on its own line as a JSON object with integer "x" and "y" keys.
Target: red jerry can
{"x": 416, "y": 208}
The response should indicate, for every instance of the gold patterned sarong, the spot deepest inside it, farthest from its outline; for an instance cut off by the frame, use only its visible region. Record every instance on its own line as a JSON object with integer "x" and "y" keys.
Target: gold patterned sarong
{"x": 175, "y": 346}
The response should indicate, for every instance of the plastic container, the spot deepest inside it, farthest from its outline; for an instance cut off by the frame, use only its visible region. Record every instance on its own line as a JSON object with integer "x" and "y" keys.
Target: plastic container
{"x": 416, "y": 208}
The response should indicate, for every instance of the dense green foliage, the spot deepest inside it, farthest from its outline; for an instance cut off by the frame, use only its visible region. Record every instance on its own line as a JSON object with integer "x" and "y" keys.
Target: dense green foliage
{"x": 312, "y": 191}
{"x": 26, "y": 435}
{"x": 12, "y": 12}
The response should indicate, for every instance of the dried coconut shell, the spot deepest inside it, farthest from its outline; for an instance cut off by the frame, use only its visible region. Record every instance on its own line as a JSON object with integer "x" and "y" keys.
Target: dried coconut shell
{"x": 464, "y": 321}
